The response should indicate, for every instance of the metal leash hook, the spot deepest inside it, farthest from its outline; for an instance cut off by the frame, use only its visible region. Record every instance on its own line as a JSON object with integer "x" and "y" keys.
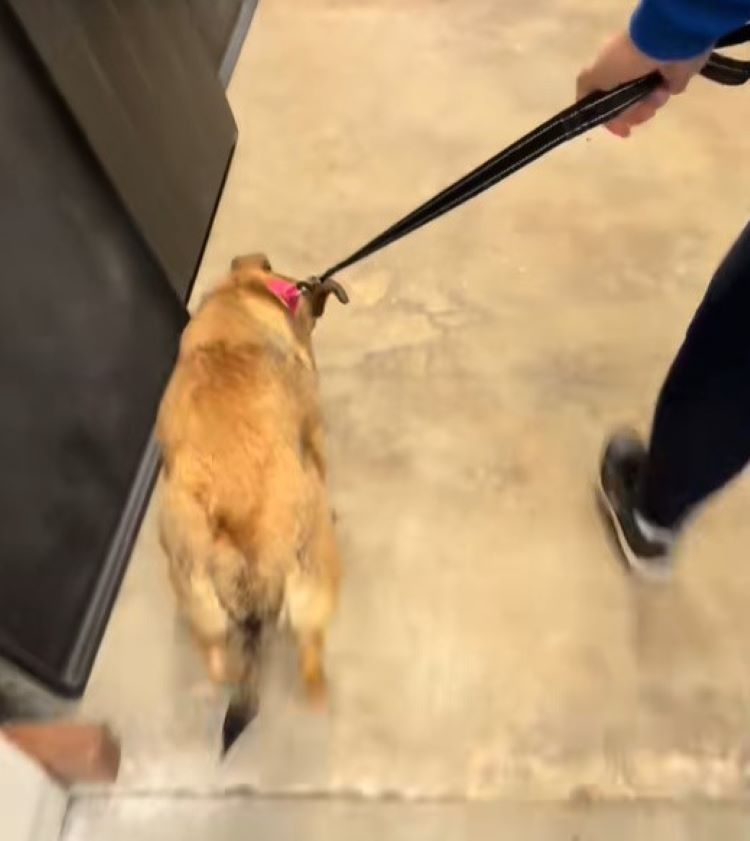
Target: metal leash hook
{"x": 317, "y": 291}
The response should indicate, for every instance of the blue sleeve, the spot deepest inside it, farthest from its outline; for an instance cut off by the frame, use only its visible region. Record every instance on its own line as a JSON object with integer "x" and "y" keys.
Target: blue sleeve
{"x": 670, "y": 30}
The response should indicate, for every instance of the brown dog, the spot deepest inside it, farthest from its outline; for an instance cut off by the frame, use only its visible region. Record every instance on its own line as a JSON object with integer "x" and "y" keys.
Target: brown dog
{"x": 245, "y": 518}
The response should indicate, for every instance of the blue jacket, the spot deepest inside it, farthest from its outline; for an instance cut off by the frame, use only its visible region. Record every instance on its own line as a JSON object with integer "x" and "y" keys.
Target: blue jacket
{"x": 669, "y": 30}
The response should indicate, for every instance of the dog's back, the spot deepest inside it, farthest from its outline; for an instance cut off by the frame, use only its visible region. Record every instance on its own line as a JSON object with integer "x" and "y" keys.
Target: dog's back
{"x": 244, "y": 515}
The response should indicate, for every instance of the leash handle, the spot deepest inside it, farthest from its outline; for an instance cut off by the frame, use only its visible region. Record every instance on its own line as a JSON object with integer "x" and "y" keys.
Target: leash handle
{"x": 591, "y": 111}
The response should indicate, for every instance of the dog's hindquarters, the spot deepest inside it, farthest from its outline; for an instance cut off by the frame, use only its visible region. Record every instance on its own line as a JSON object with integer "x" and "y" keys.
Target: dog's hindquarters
{"x": 234, "y": 575}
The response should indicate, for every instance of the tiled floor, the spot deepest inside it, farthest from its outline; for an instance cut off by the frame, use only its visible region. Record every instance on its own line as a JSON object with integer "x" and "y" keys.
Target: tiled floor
{"x": 488, "y": 645}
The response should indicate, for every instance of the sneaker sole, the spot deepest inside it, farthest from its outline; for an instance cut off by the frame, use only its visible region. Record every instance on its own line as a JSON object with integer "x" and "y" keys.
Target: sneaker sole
{"x": 643, "y": 569}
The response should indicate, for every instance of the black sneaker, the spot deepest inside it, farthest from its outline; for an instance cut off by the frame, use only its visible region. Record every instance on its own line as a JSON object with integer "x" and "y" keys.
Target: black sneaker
{"x": 645, "y": 547}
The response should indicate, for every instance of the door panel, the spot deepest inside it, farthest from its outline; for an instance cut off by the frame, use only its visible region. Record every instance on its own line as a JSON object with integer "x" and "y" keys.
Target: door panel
{"x": 89, "y": 326}
{"x": 216, "y": 20}
{"x": 139, "y": 82}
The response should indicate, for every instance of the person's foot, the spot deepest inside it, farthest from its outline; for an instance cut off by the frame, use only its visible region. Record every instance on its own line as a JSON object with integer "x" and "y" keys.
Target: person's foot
{"x": 645, "y": 547}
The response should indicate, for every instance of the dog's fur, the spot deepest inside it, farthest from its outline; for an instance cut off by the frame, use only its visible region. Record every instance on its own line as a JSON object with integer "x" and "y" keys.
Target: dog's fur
{"x": 245, "y": 519}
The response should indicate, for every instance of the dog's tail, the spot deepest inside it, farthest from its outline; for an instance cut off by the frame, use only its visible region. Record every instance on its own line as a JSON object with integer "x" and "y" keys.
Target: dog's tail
{"x": 252, "y": 602}
{"x": 230, "y": 587}
{"x": 244, "y": 702}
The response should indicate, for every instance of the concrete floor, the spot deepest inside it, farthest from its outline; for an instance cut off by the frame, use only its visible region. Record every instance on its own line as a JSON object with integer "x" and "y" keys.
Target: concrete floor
{"x": 488, "y": 646}
{"x": 230, "y": 817}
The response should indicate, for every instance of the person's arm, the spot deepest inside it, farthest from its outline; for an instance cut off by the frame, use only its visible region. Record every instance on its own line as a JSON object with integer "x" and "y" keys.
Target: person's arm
{"x": 671, "y": 36}
{"x": 675, "y": 30}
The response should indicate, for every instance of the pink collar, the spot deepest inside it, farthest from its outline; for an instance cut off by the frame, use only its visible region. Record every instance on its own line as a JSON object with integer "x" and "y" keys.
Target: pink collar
{"x": 286, "y": 292}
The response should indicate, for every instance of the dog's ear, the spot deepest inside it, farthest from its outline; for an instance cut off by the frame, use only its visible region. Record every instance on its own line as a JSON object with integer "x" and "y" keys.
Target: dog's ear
{"x": 251, "y": 261}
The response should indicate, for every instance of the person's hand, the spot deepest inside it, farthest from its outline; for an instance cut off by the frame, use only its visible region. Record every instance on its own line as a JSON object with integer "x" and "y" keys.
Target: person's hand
{"x": 621, "y": 61}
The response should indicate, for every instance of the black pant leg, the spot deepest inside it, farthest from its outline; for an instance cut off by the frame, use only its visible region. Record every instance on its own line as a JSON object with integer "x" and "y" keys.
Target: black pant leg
{"x": 701, "y": 430}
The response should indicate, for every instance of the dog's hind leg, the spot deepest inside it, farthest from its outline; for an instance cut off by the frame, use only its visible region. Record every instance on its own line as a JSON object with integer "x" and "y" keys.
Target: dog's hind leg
{"x": 311, "y": 592}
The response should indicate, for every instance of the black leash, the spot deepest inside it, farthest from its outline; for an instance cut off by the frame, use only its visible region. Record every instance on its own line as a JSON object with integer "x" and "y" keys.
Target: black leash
{"x": 587, "y": 113}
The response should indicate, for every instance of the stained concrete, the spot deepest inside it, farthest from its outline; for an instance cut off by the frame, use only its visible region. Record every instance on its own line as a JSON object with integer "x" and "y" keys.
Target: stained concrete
{"x": 488, "y": 645}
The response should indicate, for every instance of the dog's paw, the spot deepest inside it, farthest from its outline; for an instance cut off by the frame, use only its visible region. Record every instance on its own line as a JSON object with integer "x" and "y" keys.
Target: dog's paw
{"x": 204, "y": 690}
{"x": 217, "y": 664}
{"x": 316, "y": 690}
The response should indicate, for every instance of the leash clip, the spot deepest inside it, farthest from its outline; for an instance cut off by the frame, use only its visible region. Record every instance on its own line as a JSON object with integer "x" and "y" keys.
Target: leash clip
{"x": 317, "y": 291}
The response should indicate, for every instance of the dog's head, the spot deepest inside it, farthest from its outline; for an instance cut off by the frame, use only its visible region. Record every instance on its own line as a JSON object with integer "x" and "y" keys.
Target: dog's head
{"x": 305, "y": 300}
